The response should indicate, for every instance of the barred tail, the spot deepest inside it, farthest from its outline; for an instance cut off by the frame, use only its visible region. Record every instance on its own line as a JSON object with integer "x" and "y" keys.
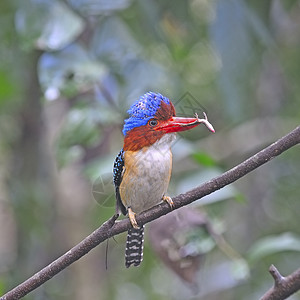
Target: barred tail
{"x": 134, "y": 247}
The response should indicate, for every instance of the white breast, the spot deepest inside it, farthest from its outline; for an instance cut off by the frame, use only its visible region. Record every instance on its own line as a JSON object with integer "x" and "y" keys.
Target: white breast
{"x": 147, "y": 175}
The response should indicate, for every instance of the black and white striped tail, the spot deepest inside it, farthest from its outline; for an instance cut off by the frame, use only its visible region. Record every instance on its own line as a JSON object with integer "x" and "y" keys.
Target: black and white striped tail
{"x": 134, "y": 247}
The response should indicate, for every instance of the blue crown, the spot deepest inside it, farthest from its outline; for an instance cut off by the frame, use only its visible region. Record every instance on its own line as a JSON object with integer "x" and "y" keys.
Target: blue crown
{"x": 143, "y": 110}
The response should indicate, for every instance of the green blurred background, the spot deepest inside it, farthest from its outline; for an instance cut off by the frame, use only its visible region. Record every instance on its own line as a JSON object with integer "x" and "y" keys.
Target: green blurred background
{"x": 70, "y": 69}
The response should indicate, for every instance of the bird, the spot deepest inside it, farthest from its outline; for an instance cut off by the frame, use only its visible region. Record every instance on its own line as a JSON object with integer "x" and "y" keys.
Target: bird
{"x": 142, "y": 169}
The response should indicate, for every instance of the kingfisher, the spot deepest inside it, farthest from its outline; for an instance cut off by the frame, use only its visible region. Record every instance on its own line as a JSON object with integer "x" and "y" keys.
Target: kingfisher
{"x": 142, "y": 169}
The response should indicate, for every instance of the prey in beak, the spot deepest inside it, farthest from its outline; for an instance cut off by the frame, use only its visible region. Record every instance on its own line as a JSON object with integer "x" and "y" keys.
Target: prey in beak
{"x": 177, "y": 124}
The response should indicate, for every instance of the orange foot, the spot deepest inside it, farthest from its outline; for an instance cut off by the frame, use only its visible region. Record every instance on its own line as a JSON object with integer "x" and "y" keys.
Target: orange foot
{"x": 169, "y": 201}
{"x": 132, "y": 219}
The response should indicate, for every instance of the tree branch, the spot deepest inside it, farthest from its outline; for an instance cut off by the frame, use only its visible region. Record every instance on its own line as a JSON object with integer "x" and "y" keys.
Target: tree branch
{"x": 283, "y": 286}
{"x": 112, "y": 228}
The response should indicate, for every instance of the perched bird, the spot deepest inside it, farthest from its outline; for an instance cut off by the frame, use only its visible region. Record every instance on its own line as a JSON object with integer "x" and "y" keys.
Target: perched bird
{"x": 142, "y": 169}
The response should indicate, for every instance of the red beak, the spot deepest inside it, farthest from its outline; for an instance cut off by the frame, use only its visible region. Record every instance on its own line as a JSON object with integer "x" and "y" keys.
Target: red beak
{"x": 176, "y": 124}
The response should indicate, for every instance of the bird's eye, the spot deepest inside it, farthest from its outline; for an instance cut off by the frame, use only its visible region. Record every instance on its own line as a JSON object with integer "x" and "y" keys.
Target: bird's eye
{"x": 153, "y": 123}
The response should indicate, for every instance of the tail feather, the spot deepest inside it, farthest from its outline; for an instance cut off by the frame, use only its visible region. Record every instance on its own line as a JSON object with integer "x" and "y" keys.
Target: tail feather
{"x": 134, "y": 246}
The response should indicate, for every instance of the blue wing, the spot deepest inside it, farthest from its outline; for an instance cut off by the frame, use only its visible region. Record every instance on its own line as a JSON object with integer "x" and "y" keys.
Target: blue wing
{"x": 118, "y": 176}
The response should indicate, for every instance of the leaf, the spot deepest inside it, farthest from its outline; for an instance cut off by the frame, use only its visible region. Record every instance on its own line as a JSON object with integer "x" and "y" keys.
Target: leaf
{"x": 240, "y": 198}
{"x": 70, "y": 70}
{"x": 240, "y": 269}
{"x": 113, "y": 42}
{"x": 7, "y": 88}
{"x": 273, "y": 244}
{"x": 137, "y": 83}
{"x": 204, "y": 159}
{"x": 99, "y": 7}
{"x": 2, "y": 286}
{"x": 80, "y": 129}
{"x": 197, "y": 241}
{"x": 195, "y": 179}
{"x": 47, "y": 25}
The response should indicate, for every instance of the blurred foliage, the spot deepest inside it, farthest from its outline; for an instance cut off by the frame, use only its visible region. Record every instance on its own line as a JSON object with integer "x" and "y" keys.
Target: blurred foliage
{"x": 204, "y": 159}
{"x": 273, "y": 244}
{"x": 69, "y": 70}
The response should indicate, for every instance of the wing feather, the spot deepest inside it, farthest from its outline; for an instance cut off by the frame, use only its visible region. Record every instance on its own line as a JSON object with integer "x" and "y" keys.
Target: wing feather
{"x": 118, "y": 176}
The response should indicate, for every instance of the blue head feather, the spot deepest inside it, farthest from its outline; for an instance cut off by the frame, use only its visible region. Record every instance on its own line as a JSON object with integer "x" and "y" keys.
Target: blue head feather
{"x": 143, "y": 110}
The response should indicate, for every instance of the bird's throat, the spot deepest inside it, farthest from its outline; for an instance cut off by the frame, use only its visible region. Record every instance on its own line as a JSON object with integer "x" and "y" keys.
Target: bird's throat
{"x": 141, "y": 137}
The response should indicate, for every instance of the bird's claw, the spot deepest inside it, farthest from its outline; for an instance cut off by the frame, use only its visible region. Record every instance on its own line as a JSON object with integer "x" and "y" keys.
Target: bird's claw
{"x": 169, "y": 201}
{"x": 131, "y": 215}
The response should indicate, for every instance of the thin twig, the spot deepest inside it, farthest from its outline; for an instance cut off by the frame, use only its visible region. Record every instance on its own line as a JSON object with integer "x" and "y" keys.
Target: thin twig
{"x": 112, "y": 228}
{"x": 283, "y": 286}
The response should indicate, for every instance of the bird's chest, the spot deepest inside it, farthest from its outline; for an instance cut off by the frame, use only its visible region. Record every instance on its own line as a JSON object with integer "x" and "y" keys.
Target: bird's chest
{"x": 152, "y": 165}
{"x": 147, "y": 175}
